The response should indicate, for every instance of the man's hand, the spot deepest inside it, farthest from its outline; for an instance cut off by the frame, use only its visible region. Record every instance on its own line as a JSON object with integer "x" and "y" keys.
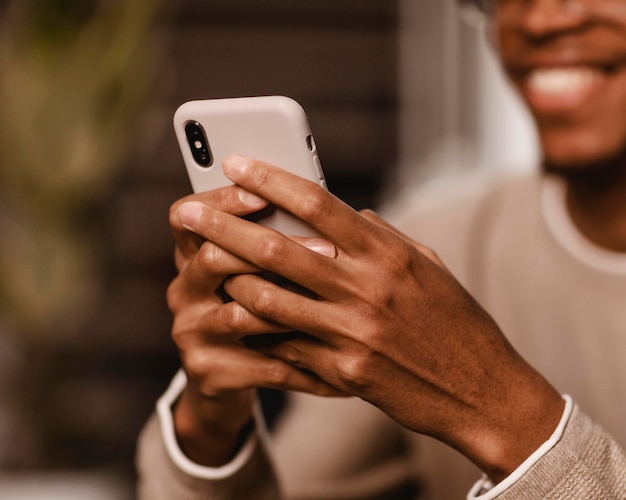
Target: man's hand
{"x": 389, "y": 324}
{"x": 215, "y": 409}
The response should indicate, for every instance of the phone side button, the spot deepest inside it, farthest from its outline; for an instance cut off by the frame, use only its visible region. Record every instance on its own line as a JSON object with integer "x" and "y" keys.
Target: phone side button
{"x": 318, "y": 166}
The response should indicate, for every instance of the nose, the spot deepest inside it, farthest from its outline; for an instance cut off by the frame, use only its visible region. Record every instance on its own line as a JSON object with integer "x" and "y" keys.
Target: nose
{"x": 544, "y": 18}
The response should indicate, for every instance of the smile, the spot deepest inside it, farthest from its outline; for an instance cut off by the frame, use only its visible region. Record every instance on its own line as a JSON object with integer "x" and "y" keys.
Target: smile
{"x": 565, "y": 89}
{"x": 560, "y": 82}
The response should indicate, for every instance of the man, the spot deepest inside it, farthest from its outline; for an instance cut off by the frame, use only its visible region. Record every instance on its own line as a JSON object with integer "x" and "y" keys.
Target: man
{"x": 546, "y": 256}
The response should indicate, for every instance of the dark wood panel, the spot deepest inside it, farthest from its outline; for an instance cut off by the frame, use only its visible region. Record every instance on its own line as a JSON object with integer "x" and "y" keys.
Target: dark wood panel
{"x": 338, "y": 59}
{"x": 354, "y": 141}
{"x": 340, "y": 67}
{"x": 355, "y": 14}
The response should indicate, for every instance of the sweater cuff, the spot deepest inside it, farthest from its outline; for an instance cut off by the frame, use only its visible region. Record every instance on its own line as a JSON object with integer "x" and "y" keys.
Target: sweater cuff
{"x": 164, "y": 411}
{"x": 484, "y": 489}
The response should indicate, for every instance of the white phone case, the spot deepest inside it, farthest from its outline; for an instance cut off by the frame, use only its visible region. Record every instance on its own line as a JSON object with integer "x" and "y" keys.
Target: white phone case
{"x": 273, "y": 129}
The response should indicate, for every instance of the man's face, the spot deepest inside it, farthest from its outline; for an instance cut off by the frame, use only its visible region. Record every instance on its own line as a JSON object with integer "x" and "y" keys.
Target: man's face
{"x": 568, "y": 61}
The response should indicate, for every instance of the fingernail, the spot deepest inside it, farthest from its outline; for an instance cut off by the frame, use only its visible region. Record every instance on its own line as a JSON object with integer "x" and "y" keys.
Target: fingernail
{"x": 189, "y": 214}
{"x": 251, "y": 199}
{"x": 234, "y": 166}
{"x": 321, "y": 246}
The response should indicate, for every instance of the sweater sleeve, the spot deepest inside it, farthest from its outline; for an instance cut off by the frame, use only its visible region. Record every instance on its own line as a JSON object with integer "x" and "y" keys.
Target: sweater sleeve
{"x": 585, "y": 463}
{"x": 164, "y": 473}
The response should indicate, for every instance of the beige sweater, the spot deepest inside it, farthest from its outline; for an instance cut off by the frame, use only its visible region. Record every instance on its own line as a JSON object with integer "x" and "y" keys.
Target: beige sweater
{"x": 585, "y": 464}
{"x": 562, "y": 309}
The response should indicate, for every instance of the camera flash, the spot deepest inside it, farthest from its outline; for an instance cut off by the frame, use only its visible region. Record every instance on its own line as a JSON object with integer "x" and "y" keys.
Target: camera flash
{"x": 198, "y": 144}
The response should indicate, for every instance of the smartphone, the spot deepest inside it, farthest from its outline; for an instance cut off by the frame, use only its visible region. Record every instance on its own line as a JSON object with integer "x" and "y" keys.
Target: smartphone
{"x": 273, "y": 129}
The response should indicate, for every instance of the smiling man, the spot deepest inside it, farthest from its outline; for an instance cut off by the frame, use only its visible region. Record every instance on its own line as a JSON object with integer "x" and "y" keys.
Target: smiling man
{"x": 544, "y": 255}
{"x": 567, "y": 61}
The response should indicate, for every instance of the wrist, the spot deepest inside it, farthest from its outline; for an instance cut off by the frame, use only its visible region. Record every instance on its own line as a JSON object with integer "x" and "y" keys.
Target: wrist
{"x": 485, "y": 488}
{"x": 211, "y": 431}
{"x": 514, "y": 427}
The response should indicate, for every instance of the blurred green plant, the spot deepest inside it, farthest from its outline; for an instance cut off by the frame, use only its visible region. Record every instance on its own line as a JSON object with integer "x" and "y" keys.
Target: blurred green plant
{"x": 76, "y": 79}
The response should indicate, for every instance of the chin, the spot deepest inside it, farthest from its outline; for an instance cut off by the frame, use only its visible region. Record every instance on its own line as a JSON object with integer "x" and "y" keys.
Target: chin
{"x": 572, "y": 161}
{"x": 572, "y": 152}
{"x": 588, "y": 166}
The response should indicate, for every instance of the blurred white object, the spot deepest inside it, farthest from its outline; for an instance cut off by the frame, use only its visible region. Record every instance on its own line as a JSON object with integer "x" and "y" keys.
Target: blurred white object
{"x": 62, "y": 486}
{"x": 457, "y": 112}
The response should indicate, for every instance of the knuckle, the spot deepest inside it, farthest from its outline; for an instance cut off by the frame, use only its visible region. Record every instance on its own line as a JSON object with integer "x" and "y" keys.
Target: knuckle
{"x": 265, "y": 301}
{"x": 181, "y": 334}
{"x": 314, "y": 203}
{"x": 277, "y": 374}
{"x": 196, "y": 364}
{"x": 213, "y": 224}
{"x": 376, "y": 302}
{"x": 260, "y": 174}
{"x": 271, "y": 249}
{"x": 428, "y": 252}
{"x": 403, "y": 259}
{"x": 291, "y": 354}
{"x": 432, "y": 255}
{"x": 233, "y": 318}
{"x": 222, "y": 198}
{"x": 355, "y": 372}
{"x": 172, "y": 295}
{"x": 209, "y": 254}
{"x": 397, "y": 263}
{"x": 379, "y": 298}
{"x": 226, "y": 199}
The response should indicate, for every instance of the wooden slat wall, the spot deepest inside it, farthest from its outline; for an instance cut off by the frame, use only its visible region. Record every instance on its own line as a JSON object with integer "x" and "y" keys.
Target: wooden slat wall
{"x": 338, "y": 59}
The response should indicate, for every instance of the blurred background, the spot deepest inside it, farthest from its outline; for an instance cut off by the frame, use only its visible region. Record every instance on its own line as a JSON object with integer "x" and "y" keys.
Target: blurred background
{"x": 400, "y": 95}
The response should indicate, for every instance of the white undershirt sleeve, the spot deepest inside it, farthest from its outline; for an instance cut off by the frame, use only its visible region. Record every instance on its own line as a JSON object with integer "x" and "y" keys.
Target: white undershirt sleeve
{"x": 164, "y": 411}
{"x": 484, "y": 489}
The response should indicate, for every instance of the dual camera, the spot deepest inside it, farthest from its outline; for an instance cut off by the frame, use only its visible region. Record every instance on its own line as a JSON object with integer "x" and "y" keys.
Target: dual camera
{"x": 198, "y": 144}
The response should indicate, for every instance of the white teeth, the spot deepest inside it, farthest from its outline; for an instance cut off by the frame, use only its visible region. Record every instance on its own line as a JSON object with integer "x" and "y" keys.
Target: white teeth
{"x": 560, "y": 81}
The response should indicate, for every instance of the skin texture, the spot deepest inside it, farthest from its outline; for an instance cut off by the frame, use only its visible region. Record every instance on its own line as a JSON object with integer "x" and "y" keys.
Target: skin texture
{"x": 389, "y": 325}
{"x": 386, "y": 305}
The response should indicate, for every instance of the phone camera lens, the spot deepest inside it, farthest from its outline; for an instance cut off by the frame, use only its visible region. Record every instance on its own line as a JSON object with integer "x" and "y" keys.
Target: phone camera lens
{"x": 198, "y": 144}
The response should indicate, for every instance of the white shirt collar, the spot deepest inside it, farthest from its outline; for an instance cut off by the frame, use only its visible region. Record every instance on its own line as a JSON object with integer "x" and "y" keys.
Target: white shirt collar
{"x": 560, "y": 224}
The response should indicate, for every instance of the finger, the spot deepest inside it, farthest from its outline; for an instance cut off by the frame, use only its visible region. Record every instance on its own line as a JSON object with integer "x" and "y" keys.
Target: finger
{"x": 209, "y": 321}
{"x": 303, "y": 198}
{"x": 232, "y": 321}
{"x": 221, "y": 369}
{"x": 231, "y": 199}
{"x": 307, "y": 353}
{"x": 270, "y": 302}
{"x": 208, "y": 267}
{"x": 264, "y": 248}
